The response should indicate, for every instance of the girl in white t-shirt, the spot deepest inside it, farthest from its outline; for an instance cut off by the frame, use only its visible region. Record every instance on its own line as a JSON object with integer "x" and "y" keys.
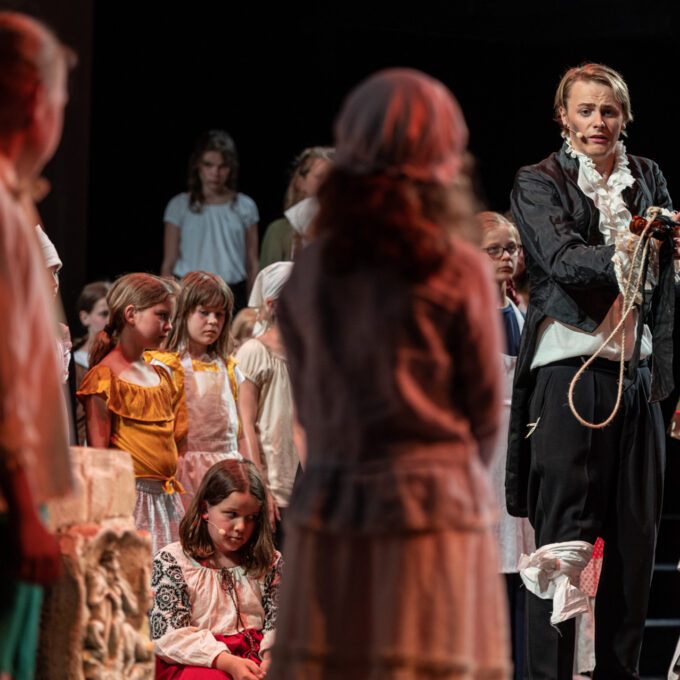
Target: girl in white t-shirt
{"x": 198, "y": 354}
{"x": 212, "y": 226}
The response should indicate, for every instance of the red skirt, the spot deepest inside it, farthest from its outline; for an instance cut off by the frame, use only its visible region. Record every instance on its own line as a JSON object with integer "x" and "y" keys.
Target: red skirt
{"x": 238, "y": 645}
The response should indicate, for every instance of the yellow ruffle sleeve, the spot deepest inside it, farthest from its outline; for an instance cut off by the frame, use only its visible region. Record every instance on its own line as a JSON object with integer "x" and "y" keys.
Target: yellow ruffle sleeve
{"x": 179, "y": 406}
{"x": 142, "y": 421}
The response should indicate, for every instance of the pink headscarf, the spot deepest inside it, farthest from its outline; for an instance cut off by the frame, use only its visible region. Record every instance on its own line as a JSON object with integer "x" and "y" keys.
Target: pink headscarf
{"x": 401, "y": 121}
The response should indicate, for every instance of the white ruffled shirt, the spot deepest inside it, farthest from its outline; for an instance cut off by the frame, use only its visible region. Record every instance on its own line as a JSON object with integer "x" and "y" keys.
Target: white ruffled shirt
{"x": 189, "y": 606}
{"x": 556, "y": 340}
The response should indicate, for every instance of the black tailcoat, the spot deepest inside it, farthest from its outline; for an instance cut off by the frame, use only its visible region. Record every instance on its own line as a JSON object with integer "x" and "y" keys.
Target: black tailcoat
{"x": 572, "y": 279}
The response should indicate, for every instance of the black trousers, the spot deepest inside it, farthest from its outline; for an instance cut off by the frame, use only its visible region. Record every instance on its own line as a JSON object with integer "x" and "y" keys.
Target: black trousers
{"x": 585, "y": 483}
{"x": 516, "y": 605}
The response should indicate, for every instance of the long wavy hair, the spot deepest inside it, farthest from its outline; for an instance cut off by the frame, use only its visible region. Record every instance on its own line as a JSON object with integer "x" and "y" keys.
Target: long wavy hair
{"x": 213, "y": 140}
{"x": 220, "y": 481}
{"x": 384, "y": 219}
{"x": 138, "y": 289}
{"x": 208, "y": 290}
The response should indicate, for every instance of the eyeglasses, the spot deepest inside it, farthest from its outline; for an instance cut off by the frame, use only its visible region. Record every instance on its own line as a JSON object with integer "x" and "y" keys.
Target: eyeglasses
{"x": 496, "y": 252}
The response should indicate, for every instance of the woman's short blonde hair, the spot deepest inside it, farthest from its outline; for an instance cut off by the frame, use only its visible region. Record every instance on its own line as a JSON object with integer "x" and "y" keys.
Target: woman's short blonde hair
{"x": 598, "y": 73}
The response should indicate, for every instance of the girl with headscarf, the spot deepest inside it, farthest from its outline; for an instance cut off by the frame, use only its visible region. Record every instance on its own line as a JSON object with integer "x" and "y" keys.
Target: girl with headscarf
{"x": 392, "y": 339}
{"x": 284, "y": 236}
{"x": 266, "y": 397}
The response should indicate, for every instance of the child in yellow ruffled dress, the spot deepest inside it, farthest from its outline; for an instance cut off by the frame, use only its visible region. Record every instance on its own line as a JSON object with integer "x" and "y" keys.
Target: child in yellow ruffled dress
{"x": 130, "y": 405}
{"x": 198, "y": 355}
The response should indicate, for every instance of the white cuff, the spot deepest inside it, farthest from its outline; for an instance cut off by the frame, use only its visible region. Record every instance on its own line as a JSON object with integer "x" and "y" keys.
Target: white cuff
{"x": 553, "y": 571}
{"x": 267, "y": 642}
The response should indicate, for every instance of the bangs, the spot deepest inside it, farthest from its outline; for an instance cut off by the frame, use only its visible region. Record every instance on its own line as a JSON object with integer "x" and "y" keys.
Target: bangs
{"x": 209, "y": 297}
{"x": 207, "y": 290}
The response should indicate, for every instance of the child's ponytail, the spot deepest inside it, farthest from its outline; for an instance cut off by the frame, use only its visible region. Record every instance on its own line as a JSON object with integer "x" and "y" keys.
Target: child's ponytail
{"x": 103, "y": 343}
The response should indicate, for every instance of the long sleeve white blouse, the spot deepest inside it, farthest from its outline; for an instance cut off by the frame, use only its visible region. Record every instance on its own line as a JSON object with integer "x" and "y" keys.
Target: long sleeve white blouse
{"x": 190, "y": 607}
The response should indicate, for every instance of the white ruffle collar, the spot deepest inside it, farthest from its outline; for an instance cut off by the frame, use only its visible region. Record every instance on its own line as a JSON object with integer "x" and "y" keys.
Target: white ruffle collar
{"x": 621, "y": 170}
{"x": 606, "y": 194}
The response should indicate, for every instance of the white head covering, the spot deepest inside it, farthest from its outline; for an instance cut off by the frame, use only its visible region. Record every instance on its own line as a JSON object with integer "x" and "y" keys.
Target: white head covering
{"x": 267, "y": 286}
{"x": 269, "y": 283}
{"x": 49, "y": 252}
{"x": 302, "y": 214}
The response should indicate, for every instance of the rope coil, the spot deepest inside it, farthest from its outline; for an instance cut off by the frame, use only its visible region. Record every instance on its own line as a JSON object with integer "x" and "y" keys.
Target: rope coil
{"x": 628, "y": 305}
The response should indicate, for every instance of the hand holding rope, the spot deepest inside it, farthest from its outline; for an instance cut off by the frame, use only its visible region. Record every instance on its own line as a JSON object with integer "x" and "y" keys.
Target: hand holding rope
{"x": 653, "y": 225}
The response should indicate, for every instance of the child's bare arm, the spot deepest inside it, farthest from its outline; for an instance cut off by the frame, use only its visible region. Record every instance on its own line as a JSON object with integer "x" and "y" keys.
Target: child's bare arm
{"x": 98, "y": 420}
{"x": 249, "y": 396}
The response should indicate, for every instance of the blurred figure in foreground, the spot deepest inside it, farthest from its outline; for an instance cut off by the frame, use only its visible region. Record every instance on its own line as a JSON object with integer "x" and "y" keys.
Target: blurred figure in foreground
{"x": 391, "y": 333}
{"x": 34, "y": 463}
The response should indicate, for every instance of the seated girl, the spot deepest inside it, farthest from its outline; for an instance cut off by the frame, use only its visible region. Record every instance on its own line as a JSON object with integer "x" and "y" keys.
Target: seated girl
{"x": 216, "y": 590}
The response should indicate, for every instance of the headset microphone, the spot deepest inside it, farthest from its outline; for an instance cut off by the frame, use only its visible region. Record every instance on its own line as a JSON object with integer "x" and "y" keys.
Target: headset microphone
{"x": 580, "y": 135}
{"x": 220, "y": 531}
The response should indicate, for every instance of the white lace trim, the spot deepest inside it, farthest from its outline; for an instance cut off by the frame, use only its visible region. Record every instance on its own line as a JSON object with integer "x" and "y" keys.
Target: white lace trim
{"x": 606, "y": 194}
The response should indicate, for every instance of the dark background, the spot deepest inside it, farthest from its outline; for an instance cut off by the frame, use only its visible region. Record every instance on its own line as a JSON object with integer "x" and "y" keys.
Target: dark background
{"x": 151, "y": 78}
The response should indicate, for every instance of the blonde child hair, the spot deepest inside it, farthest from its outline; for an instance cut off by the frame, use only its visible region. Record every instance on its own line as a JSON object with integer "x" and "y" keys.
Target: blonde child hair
{"x": 488, "y": 220}
{"x": 139, "y": 290}
{"x": 244, "y": 323}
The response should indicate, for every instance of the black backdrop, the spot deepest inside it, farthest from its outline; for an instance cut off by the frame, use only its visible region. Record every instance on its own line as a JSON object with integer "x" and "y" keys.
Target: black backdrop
{"x": 152, "y": 78}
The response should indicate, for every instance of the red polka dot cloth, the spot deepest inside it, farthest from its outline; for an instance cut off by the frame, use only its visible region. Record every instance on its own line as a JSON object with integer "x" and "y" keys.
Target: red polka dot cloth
{"x": 590, "y": 576}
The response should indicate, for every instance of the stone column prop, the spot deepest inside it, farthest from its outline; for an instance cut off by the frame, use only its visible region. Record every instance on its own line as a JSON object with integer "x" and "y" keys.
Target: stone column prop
{"x": 94, "y": 622}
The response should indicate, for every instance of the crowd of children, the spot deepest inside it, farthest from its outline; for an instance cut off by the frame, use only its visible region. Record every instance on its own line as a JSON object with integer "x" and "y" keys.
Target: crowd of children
{"x": 169, "y": 384}
{"x": 203, "y": 402}
{"x": 164, "y": 386}
{"x": 211, "y": 427}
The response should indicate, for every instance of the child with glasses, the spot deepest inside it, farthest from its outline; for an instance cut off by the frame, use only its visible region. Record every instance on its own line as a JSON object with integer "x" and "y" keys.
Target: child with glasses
{"x": 500, "y": 240}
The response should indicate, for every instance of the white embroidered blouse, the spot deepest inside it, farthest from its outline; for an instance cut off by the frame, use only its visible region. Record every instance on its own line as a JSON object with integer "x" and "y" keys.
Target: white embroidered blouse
{"x": 189, "y": 606}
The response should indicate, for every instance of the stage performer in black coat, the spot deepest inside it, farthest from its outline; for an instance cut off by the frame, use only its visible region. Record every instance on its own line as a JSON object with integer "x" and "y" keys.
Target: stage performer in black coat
{"x": 576, "y": 482}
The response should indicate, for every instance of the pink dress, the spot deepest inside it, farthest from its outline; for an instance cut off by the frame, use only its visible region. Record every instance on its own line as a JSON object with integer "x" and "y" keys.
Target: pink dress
{"x": 206, "y": 419}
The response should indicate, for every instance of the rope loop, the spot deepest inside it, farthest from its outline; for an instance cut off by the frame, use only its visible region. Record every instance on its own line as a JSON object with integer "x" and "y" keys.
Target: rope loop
{"x": 628, "y": 305}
